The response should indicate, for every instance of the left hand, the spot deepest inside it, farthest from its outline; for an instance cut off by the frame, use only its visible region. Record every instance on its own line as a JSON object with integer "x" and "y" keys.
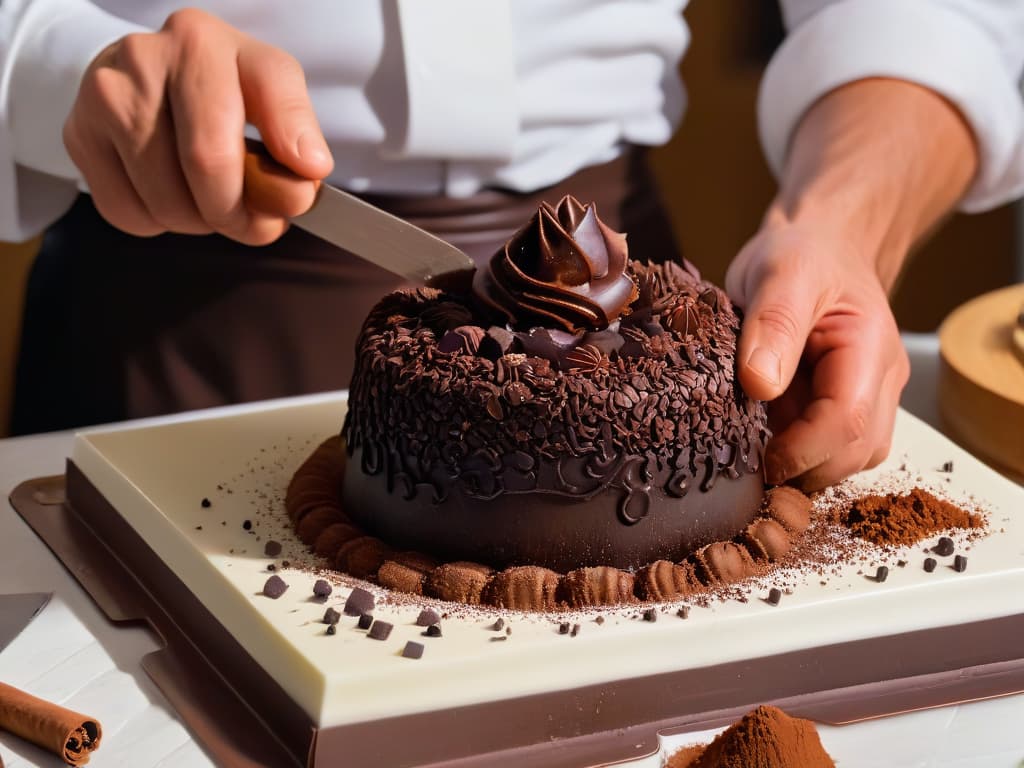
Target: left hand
{"x": 820, "y": 342}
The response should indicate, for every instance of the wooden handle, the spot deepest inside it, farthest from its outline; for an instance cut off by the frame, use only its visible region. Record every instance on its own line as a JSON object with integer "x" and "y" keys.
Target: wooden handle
{"x": 269, "y": 186}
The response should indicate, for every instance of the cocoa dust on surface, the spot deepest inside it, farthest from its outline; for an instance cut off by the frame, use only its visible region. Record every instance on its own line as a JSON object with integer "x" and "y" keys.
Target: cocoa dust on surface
{"x": 892, "y": 520}
{"x": 764, "y": 738}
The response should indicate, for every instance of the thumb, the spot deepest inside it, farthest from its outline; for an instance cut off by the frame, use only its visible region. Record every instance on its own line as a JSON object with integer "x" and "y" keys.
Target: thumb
{"x": 779, "y": 317}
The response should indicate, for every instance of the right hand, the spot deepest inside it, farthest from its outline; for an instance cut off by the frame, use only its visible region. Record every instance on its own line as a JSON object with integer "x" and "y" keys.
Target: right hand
{"x": 157, "y": 130}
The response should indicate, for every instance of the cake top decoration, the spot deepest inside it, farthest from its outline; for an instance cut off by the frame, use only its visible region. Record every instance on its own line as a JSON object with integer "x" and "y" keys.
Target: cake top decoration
{"x": 565, "y": 269}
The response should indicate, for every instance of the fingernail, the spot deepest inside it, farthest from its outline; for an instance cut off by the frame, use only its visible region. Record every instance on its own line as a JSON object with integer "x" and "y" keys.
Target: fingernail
{"x": 312, "y": 149}
{"x": 766, "y": 363}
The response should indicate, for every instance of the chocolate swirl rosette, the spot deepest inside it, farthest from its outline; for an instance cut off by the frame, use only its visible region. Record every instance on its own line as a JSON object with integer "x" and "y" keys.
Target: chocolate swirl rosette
{"x": 565, "y": 269}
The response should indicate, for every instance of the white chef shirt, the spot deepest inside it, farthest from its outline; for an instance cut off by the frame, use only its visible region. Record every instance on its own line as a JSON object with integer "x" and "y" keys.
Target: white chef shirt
{"x": 449, "y": 96}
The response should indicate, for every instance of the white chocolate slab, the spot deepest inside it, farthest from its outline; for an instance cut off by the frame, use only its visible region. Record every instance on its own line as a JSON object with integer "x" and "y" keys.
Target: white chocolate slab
{"x": 156, "y": 475}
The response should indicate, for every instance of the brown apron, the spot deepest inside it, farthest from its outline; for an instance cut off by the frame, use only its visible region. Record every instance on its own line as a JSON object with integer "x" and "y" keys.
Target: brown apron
{"x": 120, "y": 327}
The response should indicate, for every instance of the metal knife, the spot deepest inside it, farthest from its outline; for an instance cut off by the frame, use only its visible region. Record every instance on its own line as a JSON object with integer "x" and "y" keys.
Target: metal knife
{"x": 356, "y": 226}
{"x": 17, "y": 611}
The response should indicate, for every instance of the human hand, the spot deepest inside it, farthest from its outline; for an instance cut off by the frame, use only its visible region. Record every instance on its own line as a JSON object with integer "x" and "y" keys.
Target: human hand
{"x": 157, "y": 130}
{"x": 820, "y": 342}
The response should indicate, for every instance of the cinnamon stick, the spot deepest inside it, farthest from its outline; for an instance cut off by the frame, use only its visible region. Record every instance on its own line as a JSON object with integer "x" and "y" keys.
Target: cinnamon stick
{"x": 67, "y": 734}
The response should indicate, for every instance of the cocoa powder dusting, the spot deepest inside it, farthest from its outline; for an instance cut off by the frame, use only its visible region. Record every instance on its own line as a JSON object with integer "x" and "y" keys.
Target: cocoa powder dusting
{"x": 894, "y": 520}
{"x": 764, "y": 738}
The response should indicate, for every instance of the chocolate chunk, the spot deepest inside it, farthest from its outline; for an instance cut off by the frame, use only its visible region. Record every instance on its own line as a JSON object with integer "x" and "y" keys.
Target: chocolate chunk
{"x": 651, "y": 614}
{"x": 929, "y": 564}
{"x": 413, "y": 650}
{"x": 498, "y": 625}
{"x": 683, "y": 612}
{"x": 359, "y": 602}
{"x": 331, "y": 616}
{"x": 434, "y": 630}
{"x": 575, "y": 630}
{"x": 274, "y": 587}
{"x": 960, "y": 563}
{"x": 331, "y": 629}
{"x": 247, "y": 525}
{"x": 365, "y": 620}
{"x": 206, "y": 503}
{"x": 945, "y": 547}
{"x": 774, "y": 596}
{"x": 881, "y": 574}
{"x": 322, "y": 589}
{"x": 563, "y": 628}
{"x": 499, "y": 639}
{"x": 947, "y": 467}
{"x": 380, "y": 630}
{"x": 272, "y": 548}
{"x": 427, "y": 617}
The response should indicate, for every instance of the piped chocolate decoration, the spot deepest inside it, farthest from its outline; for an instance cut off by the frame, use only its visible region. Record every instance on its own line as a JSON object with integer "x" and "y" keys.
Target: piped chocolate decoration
{"x": 564, "y": 269}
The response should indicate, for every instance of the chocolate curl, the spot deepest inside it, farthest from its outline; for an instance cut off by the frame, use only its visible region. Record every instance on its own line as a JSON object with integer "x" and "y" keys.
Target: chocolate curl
{"x": 66, "y": 734}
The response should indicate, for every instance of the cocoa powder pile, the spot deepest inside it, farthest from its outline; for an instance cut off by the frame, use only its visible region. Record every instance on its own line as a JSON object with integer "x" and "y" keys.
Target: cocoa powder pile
{"x": 893, "y": 520}
{"x": 764, "y": 738}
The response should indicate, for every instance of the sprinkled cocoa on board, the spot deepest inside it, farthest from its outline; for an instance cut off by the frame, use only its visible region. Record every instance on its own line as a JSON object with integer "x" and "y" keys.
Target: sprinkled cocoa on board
{"x": 894, "y": 520}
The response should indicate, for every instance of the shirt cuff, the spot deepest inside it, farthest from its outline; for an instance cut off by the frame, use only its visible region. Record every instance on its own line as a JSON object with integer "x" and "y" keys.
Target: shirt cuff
{"x": 924, "y": 43}
{"x": 459, "y": 66}
{"x": 55, "y": 43}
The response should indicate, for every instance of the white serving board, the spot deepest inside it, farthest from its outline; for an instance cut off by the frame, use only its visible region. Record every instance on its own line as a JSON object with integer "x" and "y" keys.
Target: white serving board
{"x": 156, "y": 475}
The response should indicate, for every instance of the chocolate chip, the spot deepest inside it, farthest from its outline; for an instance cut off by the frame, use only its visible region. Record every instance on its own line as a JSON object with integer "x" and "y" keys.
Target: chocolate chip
{"x": 272, "y": 548}
{"x": 206, "y": 503}
{"x": 322, "y": 589}
{"x": 427, "y": 617}
{"x": 199, "y": 527}
{"x": 434, "y": 630}
{"x": 651, "y": 614}
{"x": 881, "y": 574}
{"x": 247, "y": 524}
{"x": 413, "y": 650}
{"x": 960, "y": 563}
{"x": 331, "y": 629}
{"x": 947, "y": 467}
{"x": 945, "y": 547}
{"x": 599, "y": 620}
{"x": 563, "y": 628}
{"x": 359, "y": 602}
{"x": 683, "y": 612}
{"x": 774, "y": 596}
{"x": 379, "y": 630}
{"x": 271, "y": 567}
{"x": 274, "y": 587}
{"x": 929, "y": 564}
{"x": 575, "y": 630}
{"x": 331, "y": 616}
{"x": 498, "y": 625}
{"x": 901, "y": 563}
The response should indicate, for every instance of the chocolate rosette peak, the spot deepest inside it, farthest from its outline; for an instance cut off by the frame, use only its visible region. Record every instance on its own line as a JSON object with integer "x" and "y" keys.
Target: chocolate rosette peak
{"x": 565, "y": 269}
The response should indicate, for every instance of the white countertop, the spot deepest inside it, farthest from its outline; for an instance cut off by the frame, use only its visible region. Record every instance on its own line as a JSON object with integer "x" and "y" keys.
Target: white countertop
{"x": 71, "y": 654}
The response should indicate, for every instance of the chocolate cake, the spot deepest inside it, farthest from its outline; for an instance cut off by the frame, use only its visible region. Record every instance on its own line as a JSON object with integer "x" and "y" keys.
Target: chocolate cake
{"x": 573, "y": 422}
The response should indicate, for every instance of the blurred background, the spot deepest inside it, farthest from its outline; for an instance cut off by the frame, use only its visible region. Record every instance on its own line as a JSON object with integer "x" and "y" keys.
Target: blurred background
{"x": 717, "y": 185}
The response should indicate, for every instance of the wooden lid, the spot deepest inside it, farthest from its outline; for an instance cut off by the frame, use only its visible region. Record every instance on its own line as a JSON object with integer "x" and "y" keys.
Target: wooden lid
{"x": 981, "y": 378}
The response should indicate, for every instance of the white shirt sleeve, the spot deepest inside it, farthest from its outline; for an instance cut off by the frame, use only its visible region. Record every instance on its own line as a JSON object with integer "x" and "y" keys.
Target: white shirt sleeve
{"x": 969, "y": 51}
{"x": 45, "y": 48}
